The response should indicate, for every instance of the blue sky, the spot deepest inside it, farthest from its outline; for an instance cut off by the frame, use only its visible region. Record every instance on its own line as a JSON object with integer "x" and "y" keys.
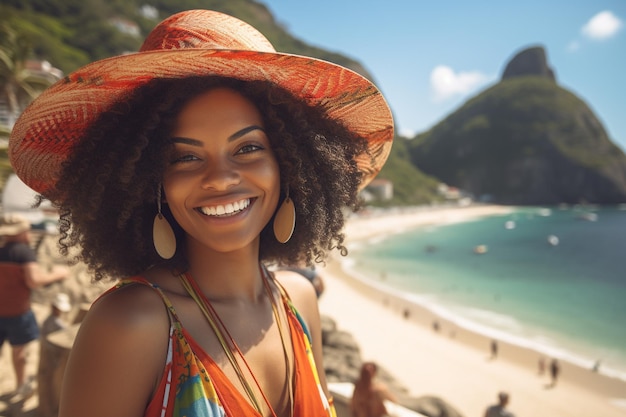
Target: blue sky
{"x": 429, "y": 57}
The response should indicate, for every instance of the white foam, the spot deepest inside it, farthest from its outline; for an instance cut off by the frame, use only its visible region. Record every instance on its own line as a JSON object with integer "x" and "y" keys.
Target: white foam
{"x": 487, "y": 323}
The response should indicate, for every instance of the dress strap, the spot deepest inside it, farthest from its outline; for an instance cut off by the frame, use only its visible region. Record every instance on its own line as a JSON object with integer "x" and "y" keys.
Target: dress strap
{"x": 138, "y": 279}
{"x": 289, "y": 304}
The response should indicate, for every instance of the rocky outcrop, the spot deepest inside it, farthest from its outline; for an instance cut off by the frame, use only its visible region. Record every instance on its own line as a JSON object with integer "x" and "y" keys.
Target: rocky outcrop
{"x": 342, "y": 363}
{"x": 530, "y": 61}
{"x": 525, "y": 141}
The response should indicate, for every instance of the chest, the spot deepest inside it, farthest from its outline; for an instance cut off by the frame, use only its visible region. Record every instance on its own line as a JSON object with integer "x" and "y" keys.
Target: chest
{"x": 245, "y": 341}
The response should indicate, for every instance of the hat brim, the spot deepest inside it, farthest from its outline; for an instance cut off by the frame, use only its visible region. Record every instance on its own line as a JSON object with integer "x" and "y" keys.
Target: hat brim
{"x": 47, "y": 130}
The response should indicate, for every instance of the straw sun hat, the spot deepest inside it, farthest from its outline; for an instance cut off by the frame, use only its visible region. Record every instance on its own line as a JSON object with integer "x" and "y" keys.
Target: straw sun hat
{"x": 192, "y": 43}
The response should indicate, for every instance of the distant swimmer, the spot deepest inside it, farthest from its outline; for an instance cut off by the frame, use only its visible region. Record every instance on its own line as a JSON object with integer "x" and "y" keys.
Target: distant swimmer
{"x": 596, "y": 366}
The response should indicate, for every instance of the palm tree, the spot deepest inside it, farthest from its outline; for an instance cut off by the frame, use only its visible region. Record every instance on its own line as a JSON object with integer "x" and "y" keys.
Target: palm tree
{"x": 19, "y": 85}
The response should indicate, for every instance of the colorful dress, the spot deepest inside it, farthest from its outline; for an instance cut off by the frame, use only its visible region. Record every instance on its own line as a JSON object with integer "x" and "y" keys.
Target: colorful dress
{"x": 193, "y": 385}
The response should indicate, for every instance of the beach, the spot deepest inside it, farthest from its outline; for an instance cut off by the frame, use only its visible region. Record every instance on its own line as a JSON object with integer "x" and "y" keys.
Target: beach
{"x": 452, "y": 363}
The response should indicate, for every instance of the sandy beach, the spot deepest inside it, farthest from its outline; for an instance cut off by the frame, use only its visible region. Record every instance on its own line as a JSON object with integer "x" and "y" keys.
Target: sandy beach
{"x": 453, "y": 363}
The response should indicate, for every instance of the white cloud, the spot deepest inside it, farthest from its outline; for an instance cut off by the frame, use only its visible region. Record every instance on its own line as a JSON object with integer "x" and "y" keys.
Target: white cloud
{"x": 602, "y": 26}
{"x": 445, "y": 83}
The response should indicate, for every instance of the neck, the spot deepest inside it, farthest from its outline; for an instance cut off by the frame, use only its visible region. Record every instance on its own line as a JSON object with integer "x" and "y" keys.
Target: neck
{"x": 233, "y": 276}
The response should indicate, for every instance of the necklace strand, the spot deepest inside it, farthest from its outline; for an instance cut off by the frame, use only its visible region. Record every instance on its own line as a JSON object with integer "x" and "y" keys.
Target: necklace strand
{"x": 213, "y": 319}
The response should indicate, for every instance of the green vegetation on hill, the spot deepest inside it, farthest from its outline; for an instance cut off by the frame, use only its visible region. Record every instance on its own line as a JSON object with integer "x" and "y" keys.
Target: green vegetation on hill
{"x": 410, "y": 185}
{"x": 72, "y": 33}
{"x": 525, "y": 140}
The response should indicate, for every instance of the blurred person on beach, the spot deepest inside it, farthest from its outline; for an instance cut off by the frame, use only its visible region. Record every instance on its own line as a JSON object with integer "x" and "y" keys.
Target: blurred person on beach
{"x": 184, "y": 172}
{"x": 494, "y": 349}
{"x": 49, "y": 371}
{"x": 56, "y": 320}
{"x": 20, "y": 274}
{"x": 555, "y": 370}
{"x": 369, "y": 395}
{"x": 596, "y": 366}
{"x": 499, "y": 409}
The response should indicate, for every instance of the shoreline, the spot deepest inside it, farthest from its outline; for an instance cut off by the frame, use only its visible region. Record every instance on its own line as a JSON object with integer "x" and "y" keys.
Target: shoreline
{"x": 579, "y": 391}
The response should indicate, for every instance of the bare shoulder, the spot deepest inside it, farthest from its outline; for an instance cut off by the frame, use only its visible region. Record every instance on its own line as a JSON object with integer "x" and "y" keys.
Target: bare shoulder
{"x": 126, "y": 329}
{"x": 298, "y": 287}
{"x": 131, "y": 307}
{"x": 133, "y": 317}
{"x": 301, "y": 292}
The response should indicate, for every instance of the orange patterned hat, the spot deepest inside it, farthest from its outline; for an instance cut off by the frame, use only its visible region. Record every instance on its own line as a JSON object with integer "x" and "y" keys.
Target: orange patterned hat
{"x": 192, "y": 43}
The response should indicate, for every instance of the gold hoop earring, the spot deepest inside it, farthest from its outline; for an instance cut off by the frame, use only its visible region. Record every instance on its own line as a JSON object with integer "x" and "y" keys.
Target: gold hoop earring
{"x": 285, "y": 220}
{"x": 162, "y": 234}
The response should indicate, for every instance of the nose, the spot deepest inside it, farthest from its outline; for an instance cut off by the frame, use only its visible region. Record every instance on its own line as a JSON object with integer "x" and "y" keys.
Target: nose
{"x": 220, "y": 174}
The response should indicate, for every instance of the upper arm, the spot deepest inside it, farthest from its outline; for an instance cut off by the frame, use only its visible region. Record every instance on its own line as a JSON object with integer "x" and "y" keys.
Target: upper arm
{"x": 118, "y": 356}
{"x": 31, "y": 273}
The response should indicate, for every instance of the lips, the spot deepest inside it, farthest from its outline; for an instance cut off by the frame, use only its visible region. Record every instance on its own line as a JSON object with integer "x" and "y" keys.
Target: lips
{"x": 226, "y": 209}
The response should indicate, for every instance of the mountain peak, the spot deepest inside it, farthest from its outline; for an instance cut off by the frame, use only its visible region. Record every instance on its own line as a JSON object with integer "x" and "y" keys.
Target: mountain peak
{"x": 530, "y": 61}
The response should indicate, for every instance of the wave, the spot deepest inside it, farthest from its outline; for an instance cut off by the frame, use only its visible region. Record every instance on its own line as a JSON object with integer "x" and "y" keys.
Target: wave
{"x": 487, "y": 323}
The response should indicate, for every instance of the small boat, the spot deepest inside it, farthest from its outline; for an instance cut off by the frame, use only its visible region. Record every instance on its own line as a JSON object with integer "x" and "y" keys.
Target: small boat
{"x": 509, "y": 224}
{"x": 553, "y": 240}
{"x": 480, "y": 249}
{"x": 589, "y": 216}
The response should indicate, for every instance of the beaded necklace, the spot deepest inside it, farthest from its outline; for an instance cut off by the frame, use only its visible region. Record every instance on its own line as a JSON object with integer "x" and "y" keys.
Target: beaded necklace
{"x": 230, "y": 347}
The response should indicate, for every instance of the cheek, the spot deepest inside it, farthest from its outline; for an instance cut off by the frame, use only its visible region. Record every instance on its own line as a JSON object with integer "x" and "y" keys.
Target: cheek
{"x": 272, "y": 178}
{"x": 173, "y": 193}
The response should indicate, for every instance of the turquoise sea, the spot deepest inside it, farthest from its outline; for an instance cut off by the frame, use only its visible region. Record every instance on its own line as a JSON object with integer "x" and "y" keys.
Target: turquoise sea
{"x": 552, "y": 279}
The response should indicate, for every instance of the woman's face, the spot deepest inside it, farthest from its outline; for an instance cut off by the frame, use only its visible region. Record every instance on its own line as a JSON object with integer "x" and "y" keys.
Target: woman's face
{"x": 222, "y": 183}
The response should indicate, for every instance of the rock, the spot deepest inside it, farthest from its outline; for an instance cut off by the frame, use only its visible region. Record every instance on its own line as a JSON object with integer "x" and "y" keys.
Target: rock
{"x": 430, "y": 406}
{"x": 530, "y": 61}
{"x": 342, "y": 363}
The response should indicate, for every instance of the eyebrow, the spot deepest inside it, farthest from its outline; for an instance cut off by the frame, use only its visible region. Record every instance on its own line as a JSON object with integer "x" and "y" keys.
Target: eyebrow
{"x": 234, "y": 136}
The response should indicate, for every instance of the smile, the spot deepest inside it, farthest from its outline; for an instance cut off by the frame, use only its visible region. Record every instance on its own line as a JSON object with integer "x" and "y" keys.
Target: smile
{"x": 225, "y": 210}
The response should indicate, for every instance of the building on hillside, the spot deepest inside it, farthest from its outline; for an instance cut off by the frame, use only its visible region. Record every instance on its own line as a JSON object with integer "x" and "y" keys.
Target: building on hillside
{"x": 45, "y": 74}
{"x": 379, "y": 189}
{"x": 126, "y": 26}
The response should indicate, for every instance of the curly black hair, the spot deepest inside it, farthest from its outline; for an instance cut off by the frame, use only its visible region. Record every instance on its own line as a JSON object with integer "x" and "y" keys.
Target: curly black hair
{"x": 108, "y": 187}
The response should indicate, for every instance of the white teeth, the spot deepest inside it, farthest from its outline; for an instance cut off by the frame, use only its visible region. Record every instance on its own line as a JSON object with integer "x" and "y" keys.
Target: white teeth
{"x": 228, "y": 209}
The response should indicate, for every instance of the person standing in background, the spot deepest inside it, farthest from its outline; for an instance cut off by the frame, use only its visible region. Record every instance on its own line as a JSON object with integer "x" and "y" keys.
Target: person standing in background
{"x": 51, "y": 358}
{"x": 499, "y": 410}
{"x": 555, "y": 369}
{"x": 369, "y": 396}
{"x": 19, "y": 275}
{"x": 59, "y": 307}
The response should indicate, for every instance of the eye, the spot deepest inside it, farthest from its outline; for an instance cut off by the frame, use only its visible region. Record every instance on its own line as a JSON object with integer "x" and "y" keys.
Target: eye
{"x": 181, "y": 158}
{"x": 248, "y": 148}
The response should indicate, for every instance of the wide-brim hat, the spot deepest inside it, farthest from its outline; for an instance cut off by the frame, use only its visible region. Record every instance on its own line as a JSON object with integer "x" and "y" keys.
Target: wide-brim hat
{"x": 187, "y": 44}
{"x": 13, "y": 224}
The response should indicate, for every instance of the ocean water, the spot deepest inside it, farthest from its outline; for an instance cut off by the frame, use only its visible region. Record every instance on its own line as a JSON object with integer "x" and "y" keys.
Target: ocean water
{"x": 552, "y": 279}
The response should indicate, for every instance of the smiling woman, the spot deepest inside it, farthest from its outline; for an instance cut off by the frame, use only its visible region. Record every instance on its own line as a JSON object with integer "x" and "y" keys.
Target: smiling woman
{"x": 184, "y": 170}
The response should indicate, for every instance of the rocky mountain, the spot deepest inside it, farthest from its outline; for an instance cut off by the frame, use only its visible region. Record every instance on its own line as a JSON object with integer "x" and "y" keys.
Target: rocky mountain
{"x": 525, "y": 140}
